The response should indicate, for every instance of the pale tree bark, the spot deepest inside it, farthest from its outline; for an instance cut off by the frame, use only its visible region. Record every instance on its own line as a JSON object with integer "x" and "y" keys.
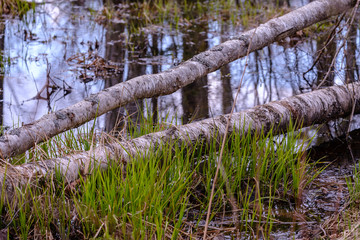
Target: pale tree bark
{"x": 19, "y": 140}
{"x": 308, "y": 109}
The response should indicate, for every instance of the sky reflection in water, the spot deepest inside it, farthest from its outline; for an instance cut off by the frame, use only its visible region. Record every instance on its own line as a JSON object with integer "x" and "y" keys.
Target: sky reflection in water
{"x": 40, "y": 46}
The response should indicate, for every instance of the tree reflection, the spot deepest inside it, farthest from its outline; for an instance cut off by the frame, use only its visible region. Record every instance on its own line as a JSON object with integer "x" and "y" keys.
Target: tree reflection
{"x": 115, "y": 52}
{"x": 350, "y": 54}
{"x": 227, "y": 94}
{"x": 195, "y": 95}
{"x": 324, "y": 62}
{"x": 2, "y": 45}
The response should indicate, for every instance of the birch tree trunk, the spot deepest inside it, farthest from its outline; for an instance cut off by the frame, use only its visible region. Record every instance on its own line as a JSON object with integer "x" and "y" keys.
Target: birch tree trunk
{"x": 21, "y": 139}
{"x": 310, "y": 108}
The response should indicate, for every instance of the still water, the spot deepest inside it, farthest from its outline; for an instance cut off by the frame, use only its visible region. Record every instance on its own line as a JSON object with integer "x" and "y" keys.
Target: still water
{"x": 63, "y": 51}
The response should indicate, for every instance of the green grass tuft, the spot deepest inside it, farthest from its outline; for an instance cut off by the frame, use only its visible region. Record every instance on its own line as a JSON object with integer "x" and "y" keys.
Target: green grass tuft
{"x": 164, "y": 194}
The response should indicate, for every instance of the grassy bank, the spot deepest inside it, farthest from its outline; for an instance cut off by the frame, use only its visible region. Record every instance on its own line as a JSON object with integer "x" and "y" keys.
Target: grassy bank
{"x": 16, "y": 7}
{"x": 180, "y": 14}
{"x": 164, "y": 194}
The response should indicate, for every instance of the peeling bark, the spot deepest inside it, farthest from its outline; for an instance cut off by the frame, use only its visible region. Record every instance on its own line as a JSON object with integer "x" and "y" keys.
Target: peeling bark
{"x": 310, "y": 108}
{"x": 21, "y": 139}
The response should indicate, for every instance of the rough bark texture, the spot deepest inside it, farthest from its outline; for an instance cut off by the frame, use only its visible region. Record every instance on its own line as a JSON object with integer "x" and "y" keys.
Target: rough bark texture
{"x": 21, "y": 139}
{"x": 309, "y": 108}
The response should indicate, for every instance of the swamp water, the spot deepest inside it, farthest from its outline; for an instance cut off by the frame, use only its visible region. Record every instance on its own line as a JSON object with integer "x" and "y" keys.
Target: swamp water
{"x": 63, "y": 51}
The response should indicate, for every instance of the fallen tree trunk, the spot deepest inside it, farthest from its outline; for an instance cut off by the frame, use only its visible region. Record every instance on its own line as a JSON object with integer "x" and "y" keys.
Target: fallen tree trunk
{"x": 21, "y": 139}
{"x": 310, "y": 108}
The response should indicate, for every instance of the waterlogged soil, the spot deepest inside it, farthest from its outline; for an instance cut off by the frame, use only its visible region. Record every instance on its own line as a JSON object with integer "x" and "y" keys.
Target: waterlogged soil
{"x": 327, "y": 197}
{"x": 319, "y": 213}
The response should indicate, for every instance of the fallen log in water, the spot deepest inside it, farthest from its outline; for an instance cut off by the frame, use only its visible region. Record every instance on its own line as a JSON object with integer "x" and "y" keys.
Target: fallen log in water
{"x": 310, "y": 108}
{"x": 21, "y": 139}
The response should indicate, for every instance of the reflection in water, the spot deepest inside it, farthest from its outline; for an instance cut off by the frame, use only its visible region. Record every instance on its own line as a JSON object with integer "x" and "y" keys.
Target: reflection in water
{"x": 38, "y": 47}
{"x": 2, "y": 63}
{"x": 195, "y": 95}
{"x": 41, "y": 45}
{"x": 154, "y": 49}
{"x": 114, "y": 51}
{"x": 325, "y": 75}
{"x": 350, "y": 54}
{"x": 134, "y": 109}
{"x": 227, "y": 96}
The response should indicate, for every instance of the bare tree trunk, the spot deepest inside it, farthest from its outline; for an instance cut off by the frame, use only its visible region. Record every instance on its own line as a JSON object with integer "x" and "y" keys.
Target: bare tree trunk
{"x": 307, "y": 109}
{"x": 19, "y": 140}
